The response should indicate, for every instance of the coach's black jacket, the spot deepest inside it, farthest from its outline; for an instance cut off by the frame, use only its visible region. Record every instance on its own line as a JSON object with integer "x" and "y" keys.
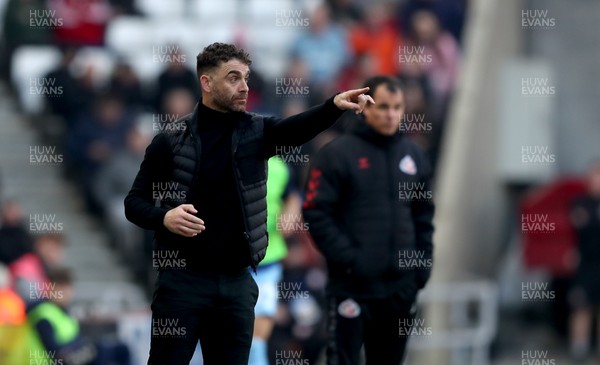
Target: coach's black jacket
{"x": 174, "y": 157}
{"x": 369, "y": 210}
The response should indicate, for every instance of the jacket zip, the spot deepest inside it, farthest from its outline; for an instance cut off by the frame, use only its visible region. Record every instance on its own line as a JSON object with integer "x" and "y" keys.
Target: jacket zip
{"x": 388, "y": 151}
{"x": 234, "y": 145}
{"x": 198, "y": 157}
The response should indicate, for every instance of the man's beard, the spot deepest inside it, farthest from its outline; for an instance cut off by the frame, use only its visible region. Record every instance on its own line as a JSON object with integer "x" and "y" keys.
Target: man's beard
{"x": 225, "y": 103}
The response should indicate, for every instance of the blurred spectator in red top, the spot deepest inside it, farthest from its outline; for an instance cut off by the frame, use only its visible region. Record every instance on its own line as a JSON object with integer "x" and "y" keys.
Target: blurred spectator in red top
{"x": 83, "y": 21}
{"x": 377, "y": 36}
{"x": 30, "y": 271}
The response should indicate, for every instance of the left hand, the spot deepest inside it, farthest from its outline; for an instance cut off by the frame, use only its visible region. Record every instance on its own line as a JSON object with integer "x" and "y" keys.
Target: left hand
{"x": 353, "y": 100}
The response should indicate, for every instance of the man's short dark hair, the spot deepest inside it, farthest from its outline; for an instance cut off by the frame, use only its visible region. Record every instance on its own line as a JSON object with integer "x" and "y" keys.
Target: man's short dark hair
{"x": 213, "y": 55}
{"x": 393, "y": 84}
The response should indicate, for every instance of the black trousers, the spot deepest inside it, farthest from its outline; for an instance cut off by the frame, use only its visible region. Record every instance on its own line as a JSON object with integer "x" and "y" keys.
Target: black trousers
{"x": 379, "y": 324}
{"x": 216, "y": 309}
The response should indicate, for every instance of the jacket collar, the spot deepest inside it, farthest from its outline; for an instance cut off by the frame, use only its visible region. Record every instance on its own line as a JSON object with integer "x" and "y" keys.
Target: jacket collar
{"x": 191, "y": 120}
{"x": 364, "y": 131}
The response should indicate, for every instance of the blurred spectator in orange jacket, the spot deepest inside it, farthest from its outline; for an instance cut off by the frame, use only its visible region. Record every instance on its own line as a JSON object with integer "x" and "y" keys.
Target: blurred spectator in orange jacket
{"x": 12, "y": 307}
{"x": 378, "y": 37}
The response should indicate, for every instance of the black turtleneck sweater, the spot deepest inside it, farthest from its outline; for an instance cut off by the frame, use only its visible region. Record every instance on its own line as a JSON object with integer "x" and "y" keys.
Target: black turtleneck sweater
{"x": 221, "y": 247}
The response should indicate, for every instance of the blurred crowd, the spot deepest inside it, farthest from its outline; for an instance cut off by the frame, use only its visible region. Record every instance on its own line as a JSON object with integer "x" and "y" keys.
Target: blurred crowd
{"x": 36, "y": 291}
{"x": 107, "y": 123}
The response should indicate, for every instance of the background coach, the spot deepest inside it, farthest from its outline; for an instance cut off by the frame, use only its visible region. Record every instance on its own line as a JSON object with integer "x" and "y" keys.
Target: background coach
{"x": 369, "y": 209}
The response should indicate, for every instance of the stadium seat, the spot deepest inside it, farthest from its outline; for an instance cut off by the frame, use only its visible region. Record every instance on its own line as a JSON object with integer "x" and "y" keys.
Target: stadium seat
{"x": 269, "y": 48}
{"x": 100, "y": 59}
{"x": 162, "y": 9}
{"x": 128, "y": 34}
{"x": 266, "y": 10}
{"x": 30, "y": 63}
{"x": 133, "y": 39}
{"x": 210, "y": 12}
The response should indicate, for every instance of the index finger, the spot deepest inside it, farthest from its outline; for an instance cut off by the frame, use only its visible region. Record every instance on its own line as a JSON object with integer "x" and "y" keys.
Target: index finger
{"x": 357, "y": 92}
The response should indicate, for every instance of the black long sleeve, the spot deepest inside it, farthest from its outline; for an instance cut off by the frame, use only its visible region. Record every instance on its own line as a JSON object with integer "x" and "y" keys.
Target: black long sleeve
{"x": 300, "y": 128}
{"x": 139, "y": 206}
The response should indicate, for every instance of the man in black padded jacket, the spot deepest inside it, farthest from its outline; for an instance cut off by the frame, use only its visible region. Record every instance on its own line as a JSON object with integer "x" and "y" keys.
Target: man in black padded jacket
{"x": 201, "y": 188}
{"x": 369, "y": 210}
